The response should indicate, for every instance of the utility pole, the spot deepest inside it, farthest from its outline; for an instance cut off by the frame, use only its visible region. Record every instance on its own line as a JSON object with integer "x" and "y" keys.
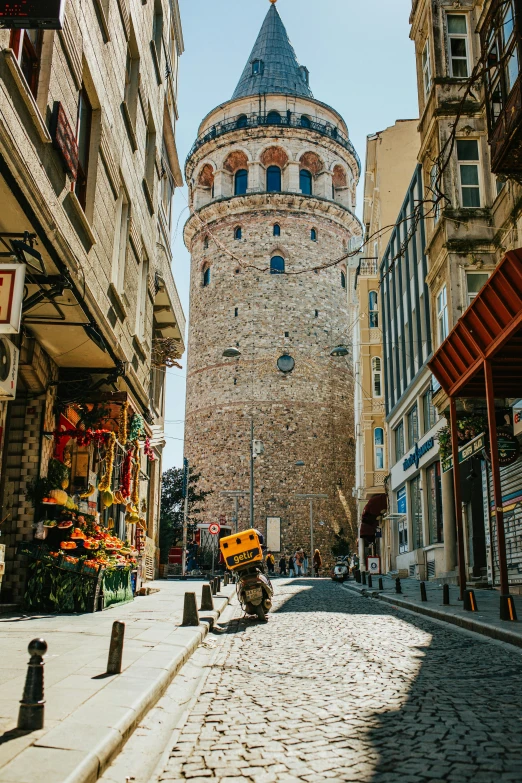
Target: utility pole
{"x": 252, "y": 472}
{"x": 185, "y": 493}
{"x": 311, "y": 496}
{"x": 236, "y": 494}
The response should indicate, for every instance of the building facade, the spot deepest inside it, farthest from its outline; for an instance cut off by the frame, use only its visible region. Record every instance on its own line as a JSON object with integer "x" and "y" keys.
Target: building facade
{"x": 391, "y": 157}
{"x": 88, "y": 167}
{"x": 272, "y": 179}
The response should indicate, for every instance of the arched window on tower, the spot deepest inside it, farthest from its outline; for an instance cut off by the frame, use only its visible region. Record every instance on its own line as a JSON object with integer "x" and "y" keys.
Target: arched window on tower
{"x": 305, "y": 121}
{"x": 378, "y": 440}
{"x": 343, "y": 279}
{"x": 273, "y": 179}
{"x": 277, "y": 230}
{"x": 206, "y": 277}
{"x": 277, "y": 265}
{"x": 305, "y": 182}
{"x": 313, "y": 234}
{"x": 238, "y": 233}
{"x": 205, "y": 243}
{"x": 376, "y": 377}
{"x": 273, "y": 118}
{"x": 373, "y": 309}
{"x": 242, "y": 121}
{"x": 241, "y": 182}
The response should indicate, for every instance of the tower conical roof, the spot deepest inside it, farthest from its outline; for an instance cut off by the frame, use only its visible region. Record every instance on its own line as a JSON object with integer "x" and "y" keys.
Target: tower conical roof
{"x": 279, "y": 70}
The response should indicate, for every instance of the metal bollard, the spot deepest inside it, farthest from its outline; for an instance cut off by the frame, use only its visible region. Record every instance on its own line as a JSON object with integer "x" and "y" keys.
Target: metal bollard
{"x": 190, "y": 610}
{"x": 218, "y": 587}
{"x": 445, "y": 595}
{"x": 225, "y": 579}
{"x": 31, "y": 712}
{"x": 470, "y": 603}
{"x": 398, "y": 588}
{"x": 424, "y": 597}
{"x": 363, "y": 577}
{"x": 381, "y": 585}
{"x": 358, "y": 576}
{"x": 207, "y": 604}
{"x": 116, "y": 648}
{"x": 213, "y": 586}
{"x": 507, "y": 608}
{"x": 370, "y": 580}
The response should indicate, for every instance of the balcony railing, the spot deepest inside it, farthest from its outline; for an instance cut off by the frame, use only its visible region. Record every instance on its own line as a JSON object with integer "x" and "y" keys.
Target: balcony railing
{"x": 289, "y": 120}
{"x": 368, "y": 267}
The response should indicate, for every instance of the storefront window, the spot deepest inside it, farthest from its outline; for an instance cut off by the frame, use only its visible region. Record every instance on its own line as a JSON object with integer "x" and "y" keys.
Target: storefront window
{"x": 416, "y": 511}
{"x": 433, "y": 484}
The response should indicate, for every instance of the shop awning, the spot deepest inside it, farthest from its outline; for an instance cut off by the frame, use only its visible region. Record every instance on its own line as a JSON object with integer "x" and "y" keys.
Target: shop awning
{"x": 490, "y": 329}
{"x": 373, "y": 511}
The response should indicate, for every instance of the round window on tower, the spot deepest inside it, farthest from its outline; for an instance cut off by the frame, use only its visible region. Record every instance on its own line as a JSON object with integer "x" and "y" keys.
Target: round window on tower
{"x": 285, "y": 363}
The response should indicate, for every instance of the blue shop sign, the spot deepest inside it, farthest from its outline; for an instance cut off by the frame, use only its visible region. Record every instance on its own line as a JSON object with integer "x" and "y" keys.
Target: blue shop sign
{"x": 417, "y": 453}
{"x": 401, "y": 501}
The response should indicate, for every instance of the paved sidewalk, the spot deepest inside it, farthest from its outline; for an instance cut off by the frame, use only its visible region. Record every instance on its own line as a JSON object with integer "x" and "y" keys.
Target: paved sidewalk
{"x": 89, "y": 715}
{"x": 485, "y": 621}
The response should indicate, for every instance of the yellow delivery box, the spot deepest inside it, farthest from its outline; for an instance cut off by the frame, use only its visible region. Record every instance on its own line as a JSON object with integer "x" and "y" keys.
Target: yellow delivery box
{"x": 241, "y": 549}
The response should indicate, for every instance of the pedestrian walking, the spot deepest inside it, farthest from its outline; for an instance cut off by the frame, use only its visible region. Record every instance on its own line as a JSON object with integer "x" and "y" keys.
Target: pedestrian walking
{"x": 291, "y": 566}
{"x": 299, "y": 560}
{"x": 318, "y": 562}
{"x": 282, "y": 565}
{"x": 305, "y": 564}
{"x": 270, "y": 562}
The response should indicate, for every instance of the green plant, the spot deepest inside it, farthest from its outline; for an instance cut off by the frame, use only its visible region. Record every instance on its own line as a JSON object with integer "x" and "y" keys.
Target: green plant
{"x": 468, "y": 427}
{"x": 58, "y": 474}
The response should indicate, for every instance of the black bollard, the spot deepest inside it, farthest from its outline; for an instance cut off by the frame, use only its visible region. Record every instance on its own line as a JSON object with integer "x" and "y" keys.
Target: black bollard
{"x": 370, "y": 580}
{"x": 31, "y": 712}
{"x": 207, "y": 604}
{"x": 225, "y": 580}
{"x": 363, "y": 577}
{"x": 190, "y": 610}
{"x": 358, "y": 576}
{"x": 218, "y": 584}
{"x": 470, "y": 603}
{"x": 398, "y": 588}
{"x": 381, "y": 586}
{"x": 424, "y": 597}
{"x": 213, "y": 586}
{"x": 445, "y": 595}
{"x": 507, "y": 608}
{"x": 116, "y": 648}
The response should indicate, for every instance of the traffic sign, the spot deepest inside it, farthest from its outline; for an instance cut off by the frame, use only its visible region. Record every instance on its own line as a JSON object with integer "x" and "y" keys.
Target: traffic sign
{"x": 214, "y": 529}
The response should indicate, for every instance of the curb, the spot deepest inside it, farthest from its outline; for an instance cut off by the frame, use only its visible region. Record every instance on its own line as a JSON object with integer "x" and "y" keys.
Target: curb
{"x": 476, "y": 626}
{"x": 65, "y": 751}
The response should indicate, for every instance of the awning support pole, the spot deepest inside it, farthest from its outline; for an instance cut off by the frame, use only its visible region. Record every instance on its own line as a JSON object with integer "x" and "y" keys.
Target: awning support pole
{"x": 506, "y": 606}
{"x": 458, "y": 498}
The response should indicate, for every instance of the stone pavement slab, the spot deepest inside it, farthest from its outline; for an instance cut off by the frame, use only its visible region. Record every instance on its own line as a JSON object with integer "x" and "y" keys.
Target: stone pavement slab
{"x": 89, "y": 715}
{"x": 485, "y": 621}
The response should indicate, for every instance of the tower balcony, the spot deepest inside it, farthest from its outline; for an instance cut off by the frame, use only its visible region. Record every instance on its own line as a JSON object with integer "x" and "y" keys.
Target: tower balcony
{"x": 288, "y": 120}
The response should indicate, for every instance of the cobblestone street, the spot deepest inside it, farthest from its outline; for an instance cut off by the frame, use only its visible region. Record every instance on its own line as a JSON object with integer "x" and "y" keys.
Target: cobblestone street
{"x": 339, "y": 687}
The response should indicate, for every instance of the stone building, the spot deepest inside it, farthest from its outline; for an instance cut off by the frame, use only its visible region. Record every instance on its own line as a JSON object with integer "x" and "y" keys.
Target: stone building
{"x": 88, "y": 167}
{"x": 272, "y": 179}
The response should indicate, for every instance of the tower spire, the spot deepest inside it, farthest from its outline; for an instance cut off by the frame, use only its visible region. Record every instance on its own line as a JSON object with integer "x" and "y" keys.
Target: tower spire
{"x": 272, "y": 66}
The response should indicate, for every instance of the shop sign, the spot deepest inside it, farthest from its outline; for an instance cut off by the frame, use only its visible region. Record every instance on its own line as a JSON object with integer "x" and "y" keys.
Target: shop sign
{"x": 517, "y": 419}
{"x": 32, "y": 14}
{"x": 401, "y": 501}
{"x": 373, "y": 564}
{"x": 508, "y": 448}
{"x": 12, "y": 278}
{"x": 64, "y": 140}
{"x": 417, "y": 453}
{"x": 471, "y": 449}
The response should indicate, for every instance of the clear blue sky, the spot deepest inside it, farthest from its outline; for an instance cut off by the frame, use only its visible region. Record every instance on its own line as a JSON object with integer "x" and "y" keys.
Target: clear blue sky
{"x": 361, "y": 62}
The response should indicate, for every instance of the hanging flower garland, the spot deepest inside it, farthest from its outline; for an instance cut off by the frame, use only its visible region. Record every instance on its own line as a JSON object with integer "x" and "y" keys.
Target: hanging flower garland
{"x": 135, "y": 497}
{"x": 84, "y": 437}
{"x": 126, "y": 474}
{"x": 149, "y": 453}
{"x": 137, "y": 427}
{"x": 106, "y": 479}
{"x": 123, "y": 429}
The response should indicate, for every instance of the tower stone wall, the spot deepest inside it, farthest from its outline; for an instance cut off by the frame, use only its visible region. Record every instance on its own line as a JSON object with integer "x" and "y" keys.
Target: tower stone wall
{"x": 305, "y": 415}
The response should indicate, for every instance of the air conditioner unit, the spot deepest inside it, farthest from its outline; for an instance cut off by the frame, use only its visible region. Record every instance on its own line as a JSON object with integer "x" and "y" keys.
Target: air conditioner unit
{"x": 9, "y": 355}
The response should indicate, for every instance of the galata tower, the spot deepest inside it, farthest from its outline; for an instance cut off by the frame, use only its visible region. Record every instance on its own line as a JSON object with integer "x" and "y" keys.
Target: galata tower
{"x": 272, "y": 179}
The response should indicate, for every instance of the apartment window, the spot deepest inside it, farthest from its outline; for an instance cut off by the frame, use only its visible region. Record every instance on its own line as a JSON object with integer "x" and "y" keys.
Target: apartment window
{"x": 434, "y": 489}
{"x": 503, "y": 65}
{"x": 305, "y": 182}
{"x": 413, "y": 426}
{"x": 442, "y": 314}
{"x": 27, "y": 48}
{"x": 458, "y": 46}
{"x": 398, "y": 436}
{"x": 167, "y": 188}
{"x": 157, "y": 27}
{"x": 83, "y": 139}
{"x": 469, "y": 162}
{"x": 376, "y": 377}
{"x": 373, "y": 309}
{"x": 378, "y": 440}
{"x": 141, "y": 309}
{"x": 416, "y": 512}
{"x": 150, "y": 154}
{"x": 435, "y": 187}
{"x": 132, "y": 77}
{"x": 121, "y": 238}
{"x": 429, "y": 411}
{"x": 426, "y": 68}
{"x": 240, "y": 182}
{"x": 474, "y": 282}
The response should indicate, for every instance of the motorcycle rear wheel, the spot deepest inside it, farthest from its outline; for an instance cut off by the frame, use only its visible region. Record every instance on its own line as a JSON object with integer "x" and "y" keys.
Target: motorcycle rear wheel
{"x": 260, "y": 611}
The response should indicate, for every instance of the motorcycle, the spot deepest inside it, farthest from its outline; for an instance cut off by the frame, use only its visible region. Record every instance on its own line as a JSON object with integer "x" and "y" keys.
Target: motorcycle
{"x": 243, "y": 555}
{"x": 341, "y": 571}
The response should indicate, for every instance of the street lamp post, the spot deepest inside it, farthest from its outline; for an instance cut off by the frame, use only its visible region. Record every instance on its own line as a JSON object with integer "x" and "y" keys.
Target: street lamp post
{"x": 311, "y": 496}
{"x": 236, "y": 494}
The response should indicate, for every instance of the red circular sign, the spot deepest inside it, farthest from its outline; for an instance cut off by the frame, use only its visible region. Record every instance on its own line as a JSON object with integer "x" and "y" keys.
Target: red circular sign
{"x": 214, "y": 529}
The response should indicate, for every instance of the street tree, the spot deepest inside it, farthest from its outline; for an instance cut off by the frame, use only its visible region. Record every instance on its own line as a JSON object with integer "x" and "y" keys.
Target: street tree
{"x": 172, "y": 506}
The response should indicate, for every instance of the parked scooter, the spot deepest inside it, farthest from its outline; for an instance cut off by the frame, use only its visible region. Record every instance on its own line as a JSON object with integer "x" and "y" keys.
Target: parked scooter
{"x": 341, "y": 571}
{"x": 243, "y": 555}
